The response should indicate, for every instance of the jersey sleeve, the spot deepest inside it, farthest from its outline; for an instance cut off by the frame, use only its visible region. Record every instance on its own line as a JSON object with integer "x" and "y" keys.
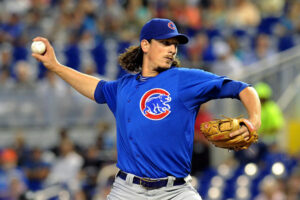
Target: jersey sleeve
{"x": 106, "y": 92}
{"x": 198, "y": 86}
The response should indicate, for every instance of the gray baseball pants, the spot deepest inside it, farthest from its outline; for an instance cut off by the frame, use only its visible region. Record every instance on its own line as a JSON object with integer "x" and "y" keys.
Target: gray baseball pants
{"x": 126, "y": 190}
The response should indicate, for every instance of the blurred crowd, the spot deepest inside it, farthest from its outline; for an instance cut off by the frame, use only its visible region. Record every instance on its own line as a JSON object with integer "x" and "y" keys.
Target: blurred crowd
{"x": 34, "y": 172}
{"x": 88, "y": 35}
{"x": 226, "y": 36}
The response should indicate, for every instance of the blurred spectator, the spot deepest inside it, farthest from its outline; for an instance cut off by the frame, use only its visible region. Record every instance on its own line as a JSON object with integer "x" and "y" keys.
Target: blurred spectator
{"x": 36, "y": 170}
{"x": 255, "y": 154}
{"x": 291, "y": 17}
{"x": 271, "y": 7}
{"x": 65, "y": 169}
{"x": 235, "y": 47}
{"x": 270, "y": 189}
{"x": 113, "y": 16}
{"x": 284, "y": 36}
{"x": 271, "y": 115}
{"x": 21, "y": 148}
{"x": 106, "y": 138}
{"x": 243, "y": 13}
{"x": 59, "y": 25}
{"x": 13, "y": 27}
{"x": 137, "y": 14}
{"x": 72, "y": 52}
{"x": 6, "y": 82}
{"x": 12, "y": 180}
{"x": 99, "y": 55}
{"x": 201, "y": 151}
{"x": 102, "y": 192}
{"x": 26, "y": 110}
{"x": 216, "y": 13}
{"x": 52, "y": 93}
{"x": 6, "y": 57}
{"x": 24, "y": 77}
{"x": 63, "y": 134}
{"x": 263, "y": 49}
{"x": 200, "y": 52}
{"x": 33, "y": 25}
{"x": 16, "y": 6}
{"x": 293, "y": 185}
{"x": 192, "y": 16}
{"x": 86, "y": 45}
{"x": 20, "y": 51}
{"x": 92, "y": 165}
{"x": 227, "y": 63}
{"x": 105, "y": 180}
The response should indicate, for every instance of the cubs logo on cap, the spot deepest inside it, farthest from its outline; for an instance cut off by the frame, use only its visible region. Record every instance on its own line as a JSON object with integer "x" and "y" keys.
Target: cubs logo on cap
{"x": 154, "y": 104}
{"x": 171, "y": 25}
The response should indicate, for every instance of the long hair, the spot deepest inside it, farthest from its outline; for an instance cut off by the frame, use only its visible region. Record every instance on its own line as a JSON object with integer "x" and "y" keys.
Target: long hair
{"x": 132, "y": 59}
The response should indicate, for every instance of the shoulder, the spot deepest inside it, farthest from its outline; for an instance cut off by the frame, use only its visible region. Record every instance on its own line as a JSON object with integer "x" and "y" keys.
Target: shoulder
{"x": 197, "y": 73}
{"x": 125, "y": 78}
{"x": 190, "y": 70}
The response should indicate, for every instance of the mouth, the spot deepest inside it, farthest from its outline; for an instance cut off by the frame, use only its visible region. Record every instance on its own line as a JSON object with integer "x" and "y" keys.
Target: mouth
{"x": 169, "y": 59}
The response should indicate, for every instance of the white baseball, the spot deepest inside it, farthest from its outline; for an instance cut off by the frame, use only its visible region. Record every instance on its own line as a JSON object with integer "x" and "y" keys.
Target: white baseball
{"x": 38, "y": 47}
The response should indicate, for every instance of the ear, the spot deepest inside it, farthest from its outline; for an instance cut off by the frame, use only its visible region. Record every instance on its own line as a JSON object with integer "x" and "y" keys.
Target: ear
{"x": 145, "y": 45}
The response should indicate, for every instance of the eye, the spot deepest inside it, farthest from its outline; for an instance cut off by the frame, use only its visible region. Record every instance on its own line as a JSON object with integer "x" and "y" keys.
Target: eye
{"x": 168, "y": 43}
{"x": 165, "y": 42}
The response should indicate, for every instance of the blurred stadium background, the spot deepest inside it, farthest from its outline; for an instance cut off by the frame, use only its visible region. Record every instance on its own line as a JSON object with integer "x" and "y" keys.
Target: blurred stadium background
{"x": 55, "y": 144}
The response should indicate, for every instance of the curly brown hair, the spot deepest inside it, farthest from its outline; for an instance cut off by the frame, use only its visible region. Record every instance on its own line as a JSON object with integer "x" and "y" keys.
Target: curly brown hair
{"x": 132, "y": 59}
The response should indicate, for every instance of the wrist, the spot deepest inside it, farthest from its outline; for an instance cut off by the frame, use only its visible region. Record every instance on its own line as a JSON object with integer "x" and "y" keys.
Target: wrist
{"x": 256, "y": 122}
{"x": 56, "y": 67}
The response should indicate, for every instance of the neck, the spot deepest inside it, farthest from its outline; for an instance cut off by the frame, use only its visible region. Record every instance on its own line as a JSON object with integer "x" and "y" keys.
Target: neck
{"x": 148, "y": 69}
{"x": 146, "y": 72}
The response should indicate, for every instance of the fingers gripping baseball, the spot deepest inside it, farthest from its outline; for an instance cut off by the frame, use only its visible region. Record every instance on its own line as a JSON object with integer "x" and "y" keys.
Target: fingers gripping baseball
{"x": 48, "y": 58}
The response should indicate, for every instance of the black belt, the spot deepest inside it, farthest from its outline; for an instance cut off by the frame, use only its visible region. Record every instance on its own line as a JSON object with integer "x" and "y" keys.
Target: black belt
{"x": 150, "y": 183}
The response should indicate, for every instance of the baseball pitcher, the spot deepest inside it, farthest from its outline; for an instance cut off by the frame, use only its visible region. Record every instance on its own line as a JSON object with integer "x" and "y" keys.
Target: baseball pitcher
{"x": 155, "y": 107}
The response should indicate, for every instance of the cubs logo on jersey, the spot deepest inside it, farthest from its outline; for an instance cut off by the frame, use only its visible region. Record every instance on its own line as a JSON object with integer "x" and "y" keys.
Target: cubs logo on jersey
{"x": 154, "y": 104}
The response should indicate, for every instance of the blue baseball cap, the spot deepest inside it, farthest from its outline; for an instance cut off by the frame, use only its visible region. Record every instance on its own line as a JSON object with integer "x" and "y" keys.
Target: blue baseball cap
{"x": 158, "y": 28}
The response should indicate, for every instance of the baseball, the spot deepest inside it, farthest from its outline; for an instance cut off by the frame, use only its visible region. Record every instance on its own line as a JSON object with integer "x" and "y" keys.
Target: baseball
{"x": 38, "y": 47}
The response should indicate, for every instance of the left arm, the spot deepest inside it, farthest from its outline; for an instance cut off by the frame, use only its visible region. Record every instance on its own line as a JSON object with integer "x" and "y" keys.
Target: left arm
{"x": 251, "y": 102}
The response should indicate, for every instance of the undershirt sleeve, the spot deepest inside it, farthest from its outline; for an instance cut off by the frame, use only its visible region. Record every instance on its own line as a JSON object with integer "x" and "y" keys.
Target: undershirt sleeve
{"x": 231, "y": 89}
{"x": 106, "y": 92}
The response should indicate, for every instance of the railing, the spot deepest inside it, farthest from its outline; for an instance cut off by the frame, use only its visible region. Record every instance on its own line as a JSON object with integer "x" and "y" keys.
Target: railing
{"x": 29, "y": 108}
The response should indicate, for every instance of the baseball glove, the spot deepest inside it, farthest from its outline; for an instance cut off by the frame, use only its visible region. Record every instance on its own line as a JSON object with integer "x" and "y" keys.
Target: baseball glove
{"x": 217, "y": 132}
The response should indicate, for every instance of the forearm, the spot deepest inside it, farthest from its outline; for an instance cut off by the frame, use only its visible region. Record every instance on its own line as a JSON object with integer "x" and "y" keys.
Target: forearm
{"x": 83, "y": 83}
{"x": 252, "y": 104}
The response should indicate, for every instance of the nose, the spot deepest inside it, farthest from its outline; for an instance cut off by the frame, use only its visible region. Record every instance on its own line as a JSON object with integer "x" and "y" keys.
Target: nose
{"x": 173, "y": 49}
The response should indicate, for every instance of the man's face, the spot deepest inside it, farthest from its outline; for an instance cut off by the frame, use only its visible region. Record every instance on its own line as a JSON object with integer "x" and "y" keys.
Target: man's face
{"x": 162, "y": 53}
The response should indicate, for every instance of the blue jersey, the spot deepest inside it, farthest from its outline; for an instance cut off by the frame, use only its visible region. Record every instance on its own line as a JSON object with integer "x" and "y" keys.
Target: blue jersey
{"x": 155, "y": 117}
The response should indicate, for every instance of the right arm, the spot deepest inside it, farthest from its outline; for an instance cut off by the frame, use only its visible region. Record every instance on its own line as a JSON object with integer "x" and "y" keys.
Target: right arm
{"x": 83, "y": 83}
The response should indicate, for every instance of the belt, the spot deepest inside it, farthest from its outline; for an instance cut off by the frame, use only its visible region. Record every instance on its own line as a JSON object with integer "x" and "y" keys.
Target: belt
{"x": 151, "y": 183}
